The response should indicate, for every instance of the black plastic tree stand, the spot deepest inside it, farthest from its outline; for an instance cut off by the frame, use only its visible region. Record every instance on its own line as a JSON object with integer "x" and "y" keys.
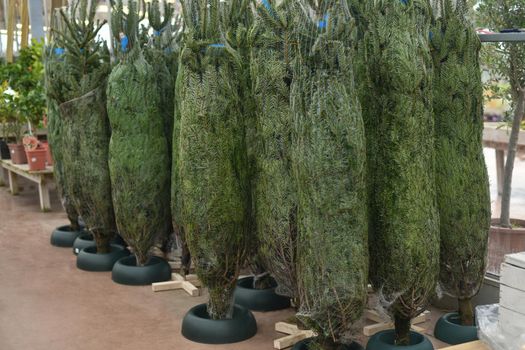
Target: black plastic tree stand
{"x": 89, "y": 260}
{"x": 303, "y": 345}
{"x": 85, "y": 239}
{"x": 125, "y": 271}
{"x": 385, "y": 340}
{"x": 198, "y": 327}
{"x": 64, "y": 236}
{"x": 449, "y": 330}
{"x": 259, "y": 299}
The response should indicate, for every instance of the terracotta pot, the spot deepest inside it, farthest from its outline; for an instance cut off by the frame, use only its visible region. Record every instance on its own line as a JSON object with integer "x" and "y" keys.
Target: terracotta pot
{"x": 49, "y": 156}
{"x": 36, "y": 159}
{"x": 18, "y": 153}
{"x": 503, "y": 241}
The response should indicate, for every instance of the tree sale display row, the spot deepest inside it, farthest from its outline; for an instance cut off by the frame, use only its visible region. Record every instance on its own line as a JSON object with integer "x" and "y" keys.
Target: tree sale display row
{"x": 462, "y": 179}
{"x": 212, "y": 160}
{"x": 138, "y": 150}
{"x": 80, "y": 92}
{"x": 329, "y": 159}
{"x": 404, "y": 232}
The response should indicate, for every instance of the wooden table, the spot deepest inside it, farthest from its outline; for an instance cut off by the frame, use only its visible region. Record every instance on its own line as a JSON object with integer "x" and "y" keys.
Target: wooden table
{"x": 42, "y": 177}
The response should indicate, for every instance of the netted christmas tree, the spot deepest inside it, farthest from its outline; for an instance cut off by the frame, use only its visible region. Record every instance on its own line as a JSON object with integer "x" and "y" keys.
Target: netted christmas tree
{"x": 275, "y": 192}
{"x": 329, "y": 159}
{"x": 138, "y": 151}
{"x": 397, "y": 80}
{"x": 461, "y": 177}
{"x": 79, "y": 89}
{"x": 52, "y": 74}
{"x": 212, "y": 162}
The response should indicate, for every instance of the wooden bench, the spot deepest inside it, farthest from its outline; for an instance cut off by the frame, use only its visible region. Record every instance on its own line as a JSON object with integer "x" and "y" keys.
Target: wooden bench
{"x": 42, "y": 177}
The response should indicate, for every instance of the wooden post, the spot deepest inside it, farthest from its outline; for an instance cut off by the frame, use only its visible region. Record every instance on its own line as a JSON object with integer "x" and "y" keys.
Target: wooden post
{"x": 11, "y": 19}
{"x": 43, "y": 191}
{"x": 13, "y": 183}
{"x": 500, "y": 169}
{"x": 24, "y": 17}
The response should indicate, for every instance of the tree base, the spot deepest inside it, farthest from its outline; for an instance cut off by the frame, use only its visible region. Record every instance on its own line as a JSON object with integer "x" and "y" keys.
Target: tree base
{"x": 198, "y": 327}
{"x": 84, "y": 240}
{"x": 449, "y": 330}
{"x": 125, "y": 271}
{"x": 304, "y": 345}
{"x": 64, "y": 236}
{"x": 385, "y": 340}
{"x": 259, "y": 299}
{"x": 89, "y": 260}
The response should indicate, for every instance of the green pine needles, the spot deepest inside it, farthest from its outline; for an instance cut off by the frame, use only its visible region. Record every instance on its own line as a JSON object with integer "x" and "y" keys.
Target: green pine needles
{"x": 79, "y": 89}
{"x": 461, "y": 177}
{"x": 329, "y": 159}
{"x": 213, "y": 170}
{"x": 138, "y": 151}
{"x": 404, "y": 237}
{"x": 275, "y": 191}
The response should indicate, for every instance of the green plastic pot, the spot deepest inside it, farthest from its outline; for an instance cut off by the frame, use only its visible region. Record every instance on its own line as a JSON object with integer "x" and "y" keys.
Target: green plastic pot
{"x": 84, "y": 240}
{"x": 385, "y": 340}
{"x": 89, "y": 260}
{"x": 303, "y": 345}
{"x": 449, "y": 330}
{"x": 198, "y": 327}
{"x": 125, "y": 271}
{"x": 64, "y": 236}
{"x": 259, "y": 299}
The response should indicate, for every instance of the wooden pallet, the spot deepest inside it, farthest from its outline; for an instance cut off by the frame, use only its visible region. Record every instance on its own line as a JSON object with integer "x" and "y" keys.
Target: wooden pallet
{"x": 190, "y": 284}
{"x": 382, "y": 325}
{"x": 295, "y": 335}
{"x": 475, "y": 345}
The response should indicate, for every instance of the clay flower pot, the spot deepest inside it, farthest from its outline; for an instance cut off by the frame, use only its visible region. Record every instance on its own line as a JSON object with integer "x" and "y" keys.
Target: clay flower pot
{"x": 503, "y": 241}
{"x": 36, "y": 158}
{"x": 18, "y": 154}
{"x": 49, "y": 156}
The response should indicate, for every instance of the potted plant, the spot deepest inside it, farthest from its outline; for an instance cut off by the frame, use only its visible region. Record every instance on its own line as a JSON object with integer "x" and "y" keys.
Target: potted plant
{"x": 213, "y": 85}
{"x": 329, "y": 161}
{"x": 139, "y": 162}
{"x": 78, "y": 87}
{"x": 461, "y": 177}
{"x": 394, "y": 73}
{"x": 506, "y": 61}
{"x": 12, "y": 125}
{"x": 35, "y": 152}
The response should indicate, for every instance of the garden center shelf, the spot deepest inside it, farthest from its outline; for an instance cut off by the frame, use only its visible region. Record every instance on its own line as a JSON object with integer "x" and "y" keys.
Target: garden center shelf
{"x": 502, "y": 37}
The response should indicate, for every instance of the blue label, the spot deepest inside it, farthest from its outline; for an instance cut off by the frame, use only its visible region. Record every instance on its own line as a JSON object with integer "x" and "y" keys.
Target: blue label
{"x": 404, "y": 2}
{"x": 324, "y": 22}
{"x": 59, "y": 51}
{"x": 124, "y": 41}
{"x": 157, "y": 32}
{"x": 217, "y": 45}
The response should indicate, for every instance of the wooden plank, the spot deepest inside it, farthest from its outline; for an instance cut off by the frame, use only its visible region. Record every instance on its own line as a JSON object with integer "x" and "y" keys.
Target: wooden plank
{"x": 516, "y": 259}
{"x": 475, "y": 345}
{"x": 285, "y": 327}
{"x": 512, "y": 276}
{"x": 191, "y": 289}
{"x": 163, "y": 286}
{"x": 372, "y": 329}
{"x": 374, "y": 316}
{"x": 13, "y": 183}
{"x": 43, "y": 192}
{"x": 512, "y": 299}
{"x": 290, "y": 340}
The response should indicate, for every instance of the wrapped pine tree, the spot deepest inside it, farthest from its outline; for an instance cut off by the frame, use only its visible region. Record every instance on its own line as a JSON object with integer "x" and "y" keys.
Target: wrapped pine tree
{"x": 80, "y": 93}
{"x": 404, "y": 239}
{"x": 53, "y": 77}
{"x": 138, "y": 151}
{"x": 212, "y": 162}
{"x": 462, "y": 179}
{"x": 275, "y": 192}
{"x": 329, "y": 159}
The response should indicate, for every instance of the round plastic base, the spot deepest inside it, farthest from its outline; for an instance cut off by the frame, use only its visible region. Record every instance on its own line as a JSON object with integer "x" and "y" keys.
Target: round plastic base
{"x": 125, "y": 271}
{"x": 84, "y": 240}
{"x": 303, "y": 345}
{"x": 64, "y": 236}
{"x": 449, "y": 330}
{"x": 259, "y": 299}
{"x": 89, "y": 260}
{"x": 198, "y": 327}
{"x": 385, "y": 340}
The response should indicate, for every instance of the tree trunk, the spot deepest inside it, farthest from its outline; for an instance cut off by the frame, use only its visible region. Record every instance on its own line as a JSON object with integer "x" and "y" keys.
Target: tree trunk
{"x": 466, "y": 312}
{"x": 220, "y": 305}
{"x": 511, "y": 156}
{"x": 402, "y": 325}
{"x": 103, "y": 246}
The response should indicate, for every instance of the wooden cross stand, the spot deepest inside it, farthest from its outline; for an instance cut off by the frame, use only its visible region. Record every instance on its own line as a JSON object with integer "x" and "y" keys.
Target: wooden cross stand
{"x": 190, "y": 284}
{"x": 382, "y": 325}
{"x": 294, "y": 336}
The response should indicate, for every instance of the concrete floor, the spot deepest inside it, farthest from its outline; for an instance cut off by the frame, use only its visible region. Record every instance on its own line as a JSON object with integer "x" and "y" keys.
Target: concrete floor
{"x": 47, "y": 303}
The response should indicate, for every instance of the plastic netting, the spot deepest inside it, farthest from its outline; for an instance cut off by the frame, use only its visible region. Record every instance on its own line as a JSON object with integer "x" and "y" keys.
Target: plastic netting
{"x": 395, "y": 76}
{"x": 139, "y": 160}
{"x": 329, "y": 159}
{"x": 461, "y": 177}
{"x": 212, "y": 161}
